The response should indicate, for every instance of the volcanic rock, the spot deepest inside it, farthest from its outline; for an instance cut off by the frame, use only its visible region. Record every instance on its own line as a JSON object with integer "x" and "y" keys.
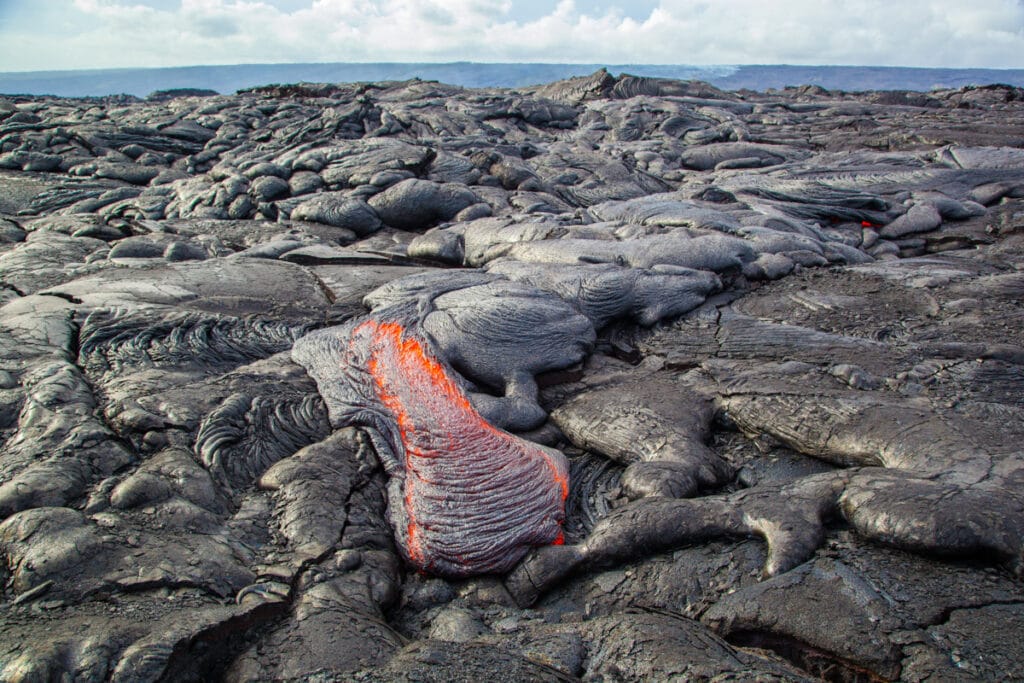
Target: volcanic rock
{"x": 615, "y": 378}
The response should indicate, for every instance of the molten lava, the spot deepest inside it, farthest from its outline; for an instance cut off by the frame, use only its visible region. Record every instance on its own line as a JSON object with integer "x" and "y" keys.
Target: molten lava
{"x": 474, "y": 499}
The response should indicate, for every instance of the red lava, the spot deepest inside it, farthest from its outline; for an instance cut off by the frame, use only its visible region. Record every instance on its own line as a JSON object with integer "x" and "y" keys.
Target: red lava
{"x": 476, "y": 497}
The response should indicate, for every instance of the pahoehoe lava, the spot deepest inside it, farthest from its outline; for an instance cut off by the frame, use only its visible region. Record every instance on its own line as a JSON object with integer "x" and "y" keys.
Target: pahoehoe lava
{"x": 612, "y": 378}
{"x": 465, "y": 498}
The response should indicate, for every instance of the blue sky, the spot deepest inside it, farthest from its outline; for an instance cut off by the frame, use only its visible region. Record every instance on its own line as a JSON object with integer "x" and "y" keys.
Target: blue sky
{"x": 70, "y": 34}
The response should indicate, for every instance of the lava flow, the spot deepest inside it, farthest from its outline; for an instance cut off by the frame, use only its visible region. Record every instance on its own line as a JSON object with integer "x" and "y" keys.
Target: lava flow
{"x": 474, "y": 498}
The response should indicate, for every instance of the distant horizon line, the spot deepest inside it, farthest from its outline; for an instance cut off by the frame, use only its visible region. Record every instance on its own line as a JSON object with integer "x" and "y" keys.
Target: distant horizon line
{"x": 597, "y": 65}
{"x": 141, "y": 81}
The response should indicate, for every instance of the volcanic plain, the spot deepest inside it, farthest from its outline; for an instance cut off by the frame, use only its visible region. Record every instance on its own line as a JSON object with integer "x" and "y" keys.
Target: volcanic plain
{"x": 607, "y": 379}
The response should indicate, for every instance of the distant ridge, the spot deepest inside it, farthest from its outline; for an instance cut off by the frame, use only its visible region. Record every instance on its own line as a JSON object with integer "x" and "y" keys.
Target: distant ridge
{"x": 228, "y": 79}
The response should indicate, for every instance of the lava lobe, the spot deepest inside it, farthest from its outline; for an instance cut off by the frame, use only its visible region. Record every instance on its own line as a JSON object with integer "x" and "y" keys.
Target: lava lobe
{"x": 465, "y": 497}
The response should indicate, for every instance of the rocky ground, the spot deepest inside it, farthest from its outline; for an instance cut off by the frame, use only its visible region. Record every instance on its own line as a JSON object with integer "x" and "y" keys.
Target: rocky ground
{"x": 775, "y": 335}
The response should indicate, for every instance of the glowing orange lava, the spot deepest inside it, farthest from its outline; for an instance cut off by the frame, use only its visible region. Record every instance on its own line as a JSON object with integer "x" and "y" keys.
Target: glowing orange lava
{"x": 436, "y": 424}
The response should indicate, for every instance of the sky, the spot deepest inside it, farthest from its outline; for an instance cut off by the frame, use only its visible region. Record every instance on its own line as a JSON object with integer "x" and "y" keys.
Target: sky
{"x": 80, "y": 34}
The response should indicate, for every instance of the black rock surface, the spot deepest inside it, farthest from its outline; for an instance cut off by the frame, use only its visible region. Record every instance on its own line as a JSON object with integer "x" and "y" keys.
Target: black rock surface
{"x": 773, "y": 339}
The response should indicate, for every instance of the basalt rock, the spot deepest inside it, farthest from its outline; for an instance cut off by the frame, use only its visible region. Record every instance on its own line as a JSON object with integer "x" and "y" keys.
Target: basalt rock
{"x": 613, "y": 378}
{"x": 415, "y": 204}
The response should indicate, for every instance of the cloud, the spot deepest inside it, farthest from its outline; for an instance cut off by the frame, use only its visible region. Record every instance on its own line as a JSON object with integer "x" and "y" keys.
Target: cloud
{"x": 987, "y": 33}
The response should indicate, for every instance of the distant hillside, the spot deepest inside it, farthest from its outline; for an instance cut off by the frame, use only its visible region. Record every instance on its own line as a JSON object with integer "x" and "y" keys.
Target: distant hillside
{"x": 228, "y": 79}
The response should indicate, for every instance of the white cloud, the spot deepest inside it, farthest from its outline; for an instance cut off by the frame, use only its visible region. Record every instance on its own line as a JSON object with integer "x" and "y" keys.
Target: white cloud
{"x": 911, "y": 33}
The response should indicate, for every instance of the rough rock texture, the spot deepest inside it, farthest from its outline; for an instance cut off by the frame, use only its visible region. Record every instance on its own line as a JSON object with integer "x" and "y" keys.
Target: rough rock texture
{"x": 606, "y": 379}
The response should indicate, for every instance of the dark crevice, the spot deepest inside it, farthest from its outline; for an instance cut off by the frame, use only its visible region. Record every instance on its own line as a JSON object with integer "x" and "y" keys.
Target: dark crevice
{"x": 324, "y": 289}
{"x": 159, "y": 584}
{"x": 62, "y": 295}
{"x": 618, "y": 340}
{"x": 820, "y": 664}
{"x": 947, "y": 613}
{"x": 74, "y": 349}
{"x": 8, "y": 285}
{"x": 207, "y": 655}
